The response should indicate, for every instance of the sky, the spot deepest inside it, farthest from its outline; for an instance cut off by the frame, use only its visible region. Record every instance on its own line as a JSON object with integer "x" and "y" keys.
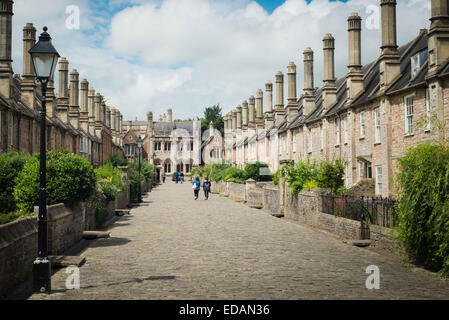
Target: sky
{"x": 151, "y": 55}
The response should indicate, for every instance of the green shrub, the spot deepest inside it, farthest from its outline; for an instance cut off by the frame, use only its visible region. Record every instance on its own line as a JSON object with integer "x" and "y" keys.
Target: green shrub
{"x": 116, "y": 161}
{"x": 423, "y": 189}
{"x": 331, "y": 174}
{"x": 146, "y": 169}
{"x": 11, "y": 164}
{"x": 101, "y": 214}
{"x": 70, "y": 178}
{"x": 297, "y": 175}
{"x": 134, "y": 180}
{"x": 311, "y": 185}
{"x": 110, "y": 181}
{"x": 252, "y": 171}
{"x": 234, "y": 175}
{"x": 276, "y": 177}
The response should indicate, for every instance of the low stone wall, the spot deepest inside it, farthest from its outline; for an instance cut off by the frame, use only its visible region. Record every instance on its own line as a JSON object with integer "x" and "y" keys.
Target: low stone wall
{"x": 18, "y": 250}
{"x": 218, "y": 187}
{"x": 65, "y": 226}
{"x": 89, "y": 216}
{"x": 122, "y": 200}
{"x": 255, "y": 198}
{"x": 271, "y": 198}
{"x": 383, "y": 238}
{"x": 237, "y": 192}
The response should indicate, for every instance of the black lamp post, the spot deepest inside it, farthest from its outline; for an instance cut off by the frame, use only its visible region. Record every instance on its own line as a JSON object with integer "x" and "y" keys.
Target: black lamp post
{"x": 154, "y": 167}
{"x": 45, "y": 58}
{"x": 139, "y": 146}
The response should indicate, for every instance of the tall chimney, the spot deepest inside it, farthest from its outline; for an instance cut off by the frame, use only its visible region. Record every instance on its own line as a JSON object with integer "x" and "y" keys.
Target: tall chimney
{"x": 28, "y": 85}
{"x": 259, "y": 109}
{"x": 279, "y": 107}
{"x": 389, "y": 60}
{"x": 98, "y": 117}
{"x": 438, "y": 43}
{"x": 170, "y": 115}
{"x": 234, "y": 120}
{"x": 84, "y": 115}
{"x": 108, "y": 117}
{"x": 329, "y": 89}
{"x": 354, "y": 80}
{"x": 74, "y": 109}
{"x": 211, "y": 129}
{"x": 269, "y": 102}
{"x": 50, "y": 99}
{"x": 6, "y": 73}
{"x": 292, "y": 101}
{"x": 63, "y": 96}
{"x": 245, "y": 115}
{"x": 91, "y": 108}
{"x": 113, "y": 121}
{"x": 239, "y": 117}
{"x": 251, "y": 113}
{"x": 309, "y": 90}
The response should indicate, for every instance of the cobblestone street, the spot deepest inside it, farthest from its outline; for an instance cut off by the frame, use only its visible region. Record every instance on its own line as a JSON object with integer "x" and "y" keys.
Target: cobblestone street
{"x": 177, "y": 248}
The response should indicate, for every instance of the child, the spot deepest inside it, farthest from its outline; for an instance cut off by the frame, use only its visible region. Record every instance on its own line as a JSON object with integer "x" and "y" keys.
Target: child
{"x": 196, "y": 185}
{"x": 206, "y": 187}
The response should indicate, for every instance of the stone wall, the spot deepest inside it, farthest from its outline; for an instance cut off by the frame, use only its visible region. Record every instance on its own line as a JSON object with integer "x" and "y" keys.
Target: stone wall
{"x": 271, "y": 198}
{"x": 65, "y": 226}
{"x": 18, "y": 249}
{"x": 237, "y": 192}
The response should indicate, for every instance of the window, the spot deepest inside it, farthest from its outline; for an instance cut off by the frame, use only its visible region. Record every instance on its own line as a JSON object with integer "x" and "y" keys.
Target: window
{"x": 321, "y": 137}
{"x": 345, "y": 129}
{"x": 379, "y": 180}
{"x": 428, "y": 109}
{"x": 362, "y": 173}
{"x": 408, "y": 102}
{"x": 362, "y": 124}
{"x": 337, "y": 132}
{"x": 417, "y": 61}
{"x": 310, "y": 141}
{"x": 377, "y": 124}
{"x": 294, "y": 142}
{"x": 285, "y": 145}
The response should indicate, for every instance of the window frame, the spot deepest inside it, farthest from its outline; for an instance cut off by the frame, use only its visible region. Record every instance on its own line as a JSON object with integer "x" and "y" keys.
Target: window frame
{"x": 362, "y": 124}
{"x": 377, "y": 126}
{"x": 346, "y": 129}
{"x": 409, "y": 127}
{"x": 337, "y": 132}
{"x": 428, "y": 110}
{"x": 379, "y": 180}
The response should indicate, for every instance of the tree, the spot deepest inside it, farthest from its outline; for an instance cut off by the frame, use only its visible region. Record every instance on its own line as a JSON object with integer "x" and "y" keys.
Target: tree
{"x": 213, "y": 114}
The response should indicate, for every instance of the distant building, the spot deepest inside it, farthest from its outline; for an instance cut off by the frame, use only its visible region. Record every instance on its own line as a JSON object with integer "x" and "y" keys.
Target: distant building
{"x": 170, "y": 146}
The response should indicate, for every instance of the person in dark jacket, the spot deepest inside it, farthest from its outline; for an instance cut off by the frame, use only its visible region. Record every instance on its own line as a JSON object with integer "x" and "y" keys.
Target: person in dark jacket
{"x": 196, "y": 186}
{"x": 206, "y": 187}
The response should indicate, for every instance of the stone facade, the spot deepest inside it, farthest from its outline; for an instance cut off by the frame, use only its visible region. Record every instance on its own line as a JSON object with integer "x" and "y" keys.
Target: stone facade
{"x": 68, "y": 116}
{"x": 369, "y": 116}
{"x": 175, "y": 145}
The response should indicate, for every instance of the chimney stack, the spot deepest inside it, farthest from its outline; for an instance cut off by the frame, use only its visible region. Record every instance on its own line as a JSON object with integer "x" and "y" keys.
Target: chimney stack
{"x": 292, "y": 101}
{"x": 211, "y": 129}
{"x": 309, "y": 90}
{"x": 438, "y": 44}
{"x": 50, "y": 96}
{"x": 239, "y": 117}
{"x": 63, "y": 96}
{"x": 98, "y": 117}
{"x": 390, "y": 60}
{"x": 234, "y": 120}
{"x": 84, "y": 115}
{"x": 113, "y": 120}
{"x": 245, "y": 115}
{"x": 170, "y": 115}
{"x": 108, "y": 117}
{"x": 354, "y": 80}
{"x": 251, "y": 113}
{"x": 259, "y": 109}
{"x": 74, "y": 109}
{"x": 279, "y": 107}
{"x": 28, "y": 85}
{"x": 6, "y": 73}
{"x": 269, "y": 102}
{"x": 329, "y": 89}
{"x": 91, "y": 109}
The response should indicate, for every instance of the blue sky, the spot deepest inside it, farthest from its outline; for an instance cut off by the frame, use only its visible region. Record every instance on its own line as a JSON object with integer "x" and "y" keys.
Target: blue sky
{"x": 271, "y": 5}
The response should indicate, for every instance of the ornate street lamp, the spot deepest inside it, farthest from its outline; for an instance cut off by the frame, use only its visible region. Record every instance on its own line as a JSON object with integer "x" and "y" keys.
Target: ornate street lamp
{"x": 154, "y": 167}
{"x": 139, "y": 146}
{"x": 44, "y": 57}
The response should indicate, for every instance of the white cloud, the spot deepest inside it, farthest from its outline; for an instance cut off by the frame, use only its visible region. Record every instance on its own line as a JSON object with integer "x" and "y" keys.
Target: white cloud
{"x": 188, "y": 54}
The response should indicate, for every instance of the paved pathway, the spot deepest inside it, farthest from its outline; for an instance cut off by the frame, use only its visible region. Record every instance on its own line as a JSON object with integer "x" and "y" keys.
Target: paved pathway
{"x": 178, "y": 248}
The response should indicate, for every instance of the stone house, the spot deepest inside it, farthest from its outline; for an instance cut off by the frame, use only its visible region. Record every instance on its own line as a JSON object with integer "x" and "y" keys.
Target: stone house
{"x": 176, "y": 145}
{"x": 73, "y": 121}
{"x": 371, "y": 115}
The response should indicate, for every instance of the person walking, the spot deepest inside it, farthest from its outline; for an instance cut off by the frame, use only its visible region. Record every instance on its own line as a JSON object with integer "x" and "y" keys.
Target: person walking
{"x": 176, "y": 176}
{"x": 196, "y": 186}
{"x": 206, "y": 187}
{"x": 163, "y": 177}
{"x": 182, "y": 177}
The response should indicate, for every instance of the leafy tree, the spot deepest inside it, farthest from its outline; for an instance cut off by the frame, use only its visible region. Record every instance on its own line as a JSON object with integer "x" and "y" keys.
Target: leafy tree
{"x": 213, "y": 114}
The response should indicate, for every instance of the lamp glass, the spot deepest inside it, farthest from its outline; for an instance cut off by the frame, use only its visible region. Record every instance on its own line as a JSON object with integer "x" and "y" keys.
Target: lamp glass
{"x": 44, "y": 64}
